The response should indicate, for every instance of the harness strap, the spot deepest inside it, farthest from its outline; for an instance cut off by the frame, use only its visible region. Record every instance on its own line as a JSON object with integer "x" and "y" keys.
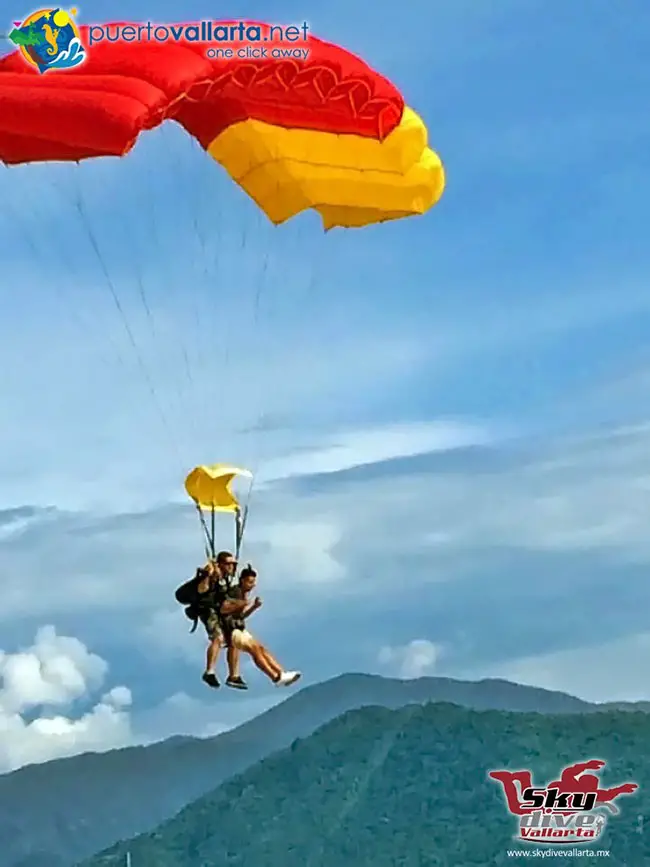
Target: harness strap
{"x": 209, "y": 538}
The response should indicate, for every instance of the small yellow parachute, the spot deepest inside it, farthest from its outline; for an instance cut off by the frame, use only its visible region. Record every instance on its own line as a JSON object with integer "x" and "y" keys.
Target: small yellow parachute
{"x": 209, "y": 488}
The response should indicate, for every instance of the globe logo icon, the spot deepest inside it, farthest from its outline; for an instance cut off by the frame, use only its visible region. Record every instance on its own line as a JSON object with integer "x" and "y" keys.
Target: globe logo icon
{"x": 49, "y": 39}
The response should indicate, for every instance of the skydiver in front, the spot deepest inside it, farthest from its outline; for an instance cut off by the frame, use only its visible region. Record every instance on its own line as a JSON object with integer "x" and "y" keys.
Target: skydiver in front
{"x": 212, "y": 586}
{"x": 235, "y": 610}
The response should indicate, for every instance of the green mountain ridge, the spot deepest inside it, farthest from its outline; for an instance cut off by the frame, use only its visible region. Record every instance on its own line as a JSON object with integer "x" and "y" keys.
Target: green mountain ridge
{"x": 87, "y": 802}
{"x": 408, "y": 787}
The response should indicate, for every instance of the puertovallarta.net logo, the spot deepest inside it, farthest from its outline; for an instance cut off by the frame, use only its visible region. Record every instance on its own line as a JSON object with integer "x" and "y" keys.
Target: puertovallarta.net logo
{"x": 49, "y": 39}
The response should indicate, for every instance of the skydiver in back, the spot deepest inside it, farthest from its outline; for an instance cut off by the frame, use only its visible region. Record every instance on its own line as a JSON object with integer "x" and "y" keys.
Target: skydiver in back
{"x": 212, "y": 583}
{"x": 235, "y": 610}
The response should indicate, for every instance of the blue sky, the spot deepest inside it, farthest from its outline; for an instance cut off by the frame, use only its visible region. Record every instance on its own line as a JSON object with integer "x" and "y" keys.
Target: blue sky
{"x": 457, "y": 401}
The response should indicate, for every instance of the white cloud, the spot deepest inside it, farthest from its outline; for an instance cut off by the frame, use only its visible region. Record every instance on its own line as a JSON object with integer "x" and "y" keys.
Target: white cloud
{"x": 17, "y": 523}
{"x": 415, "y": 659}
{"x": 175, "y": 420}
{"x": 609, "y": 671}
{"x": 302, "y": 551}
{"x": 182, "y": 714}
{"x": 355, "y": 448}
{"x": 584, "y": 494}
{"x": 53, "y": 673}
{"x": 292, "y": 540}
{"x": 41, "y": 686}
{"x": 163, "y": 636}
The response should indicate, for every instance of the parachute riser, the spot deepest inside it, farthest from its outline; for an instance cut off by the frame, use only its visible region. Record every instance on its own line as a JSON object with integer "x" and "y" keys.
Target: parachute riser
{"x": 241, "y": 518}
{"x": 240, "y": 526}
{"x": 209, "y": 533}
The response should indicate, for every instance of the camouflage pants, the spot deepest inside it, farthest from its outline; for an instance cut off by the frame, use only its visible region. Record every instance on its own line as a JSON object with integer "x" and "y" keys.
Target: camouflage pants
{"x": 212, "y": 623}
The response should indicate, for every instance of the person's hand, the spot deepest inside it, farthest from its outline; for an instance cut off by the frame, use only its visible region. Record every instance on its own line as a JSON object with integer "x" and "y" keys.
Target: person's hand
{"x": 257, "y": 602}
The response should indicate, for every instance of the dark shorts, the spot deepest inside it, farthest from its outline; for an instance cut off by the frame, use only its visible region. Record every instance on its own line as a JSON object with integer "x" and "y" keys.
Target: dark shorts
{"x": 212, "y": 623}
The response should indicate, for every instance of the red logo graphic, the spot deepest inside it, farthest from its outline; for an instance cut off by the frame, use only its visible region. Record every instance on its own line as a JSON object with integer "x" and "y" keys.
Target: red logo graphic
{"x": 566, "y": 810}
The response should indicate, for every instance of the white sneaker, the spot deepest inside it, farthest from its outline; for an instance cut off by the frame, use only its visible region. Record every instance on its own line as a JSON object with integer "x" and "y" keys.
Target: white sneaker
{"x": 288, "y": 677}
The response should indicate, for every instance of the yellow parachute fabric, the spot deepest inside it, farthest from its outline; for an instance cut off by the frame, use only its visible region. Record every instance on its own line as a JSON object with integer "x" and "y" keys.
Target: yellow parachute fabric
{"x": 209, "y": 486}
{"x": 351, "y": 180}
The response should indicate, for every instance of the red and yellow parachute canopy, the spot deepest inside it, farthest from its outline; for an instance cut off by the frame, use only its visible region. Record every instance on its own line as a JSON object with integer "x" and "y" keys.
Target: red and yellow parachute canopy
{"x": 326, "y": 133}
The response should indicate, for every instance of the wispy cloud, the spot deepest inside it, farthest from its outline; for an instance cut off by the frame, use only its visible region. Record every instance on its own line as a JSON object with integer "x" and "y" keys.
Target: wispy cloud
{"x": 356, "y": 448}
{"x": 601, "y": 671}
{"x": 416, "y": 659}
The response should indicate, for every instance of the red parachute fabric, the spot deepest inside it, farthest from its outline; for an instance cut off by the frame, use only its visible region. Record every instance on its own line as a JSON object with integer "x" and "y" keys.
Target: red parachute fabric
{"x": 122, "y": 89}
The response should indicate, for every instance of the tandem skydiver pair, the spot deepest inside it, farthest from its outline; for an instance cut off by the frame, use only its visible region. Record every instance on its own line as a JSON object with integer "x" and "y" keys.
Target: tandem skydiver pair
{"x": 223, "y": 606}
{"x": 216, "y": 596}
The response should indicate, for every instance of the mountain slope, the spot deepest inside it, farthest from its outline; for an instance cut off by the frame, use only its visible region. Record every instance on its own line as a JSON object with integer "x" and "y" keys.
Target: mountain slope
{"x": 87, "y": 802}
{"x": 378, "y": 788}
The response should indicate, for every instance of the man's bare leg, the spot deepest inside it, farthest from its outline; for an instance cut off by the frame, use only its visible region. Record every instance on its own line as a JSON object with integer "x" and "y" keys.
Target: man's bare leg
{"x": 281, "y": 677}
{"x": 235, "y": 680}
{"x": 260, "y": 661}
{"x": 212, "y": 657}
{"x": 233, "y": 662}
{"x": 267, "y": 663}
{"x": 271, "y": 662}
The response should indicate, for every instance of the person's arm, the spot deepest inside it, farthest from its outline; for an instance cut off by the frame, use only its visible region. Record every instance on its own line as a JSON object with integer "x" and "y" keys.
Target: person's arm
{"x": 252, "y": 608}
{"x": 234, "y": 606}
{"x": 203, "y": 581}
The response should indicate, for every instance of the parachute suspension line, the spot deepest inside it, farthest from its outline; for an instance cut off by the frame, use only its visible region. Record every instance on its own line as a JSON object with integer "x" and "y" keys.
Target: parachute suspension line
{"x": 39, "y": 256}
{"x": 209, "y": 536}
{"x": 241, "y": 519}
{"x": 129, "y": 331}
{"x": 264, "y": 273}
{"x": 195, "y": 351}
{"x": 146, "y": 201}
{"x": 179, "y": 171}
{"x": 197, "y": 359}
{"x": 260, "y": 287}
{"x": 225, "y": 350}
{"x": 314, "y": 275}
{"x": 153, "y": 331}
{"x": 147, "y": 205}
{"x": 240, "y": 527}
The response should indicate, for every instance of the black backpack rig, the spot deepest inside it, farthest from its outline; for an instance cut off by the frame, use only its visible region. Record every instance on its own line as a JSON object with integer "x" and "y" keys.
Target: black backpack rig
{"x": 187, "y": 594}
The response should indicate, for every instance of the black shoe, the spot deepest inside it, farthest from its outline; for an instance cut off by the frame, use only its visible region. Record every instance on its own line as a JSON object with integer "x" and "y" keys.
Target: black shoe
{"x": 236, "y": 683}
{"x": 211, "y": 680}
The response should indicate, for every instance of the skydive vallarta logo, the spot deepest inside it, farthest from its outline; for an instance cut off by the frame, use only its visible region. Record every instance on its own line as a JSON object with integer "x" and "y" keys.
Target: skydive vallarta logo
{"x": 49, "y": 39}
{"x": 572, "y": 809}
